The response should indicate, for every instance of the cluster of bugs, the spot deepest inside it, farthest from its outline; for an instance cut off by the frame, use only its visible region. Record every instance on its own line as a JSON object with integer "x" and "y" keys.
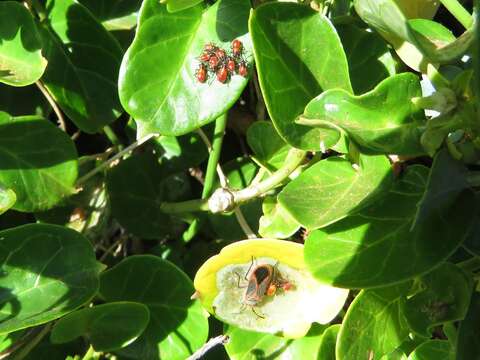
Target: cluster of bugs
{"x": 215, "y": 60}
{"x": 263, "y": 280}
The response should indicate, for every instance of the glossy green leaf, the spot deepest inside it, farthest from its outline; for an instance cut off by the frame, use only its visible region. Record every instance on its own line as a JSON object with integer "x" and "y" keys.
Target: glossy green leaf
{"x": 289, "y": 75}
{"x": 374, "y": 325}
{"x": 328, "y": 343}
{"x": 181, "y": 153}
{"x": 48, "y": 271}
{"x": 108, "y": 326}
{"x": 383, "y": 120}
{"x": 7, "y": 198}
{"x": 249, "y": 345}
{"x": 276, "y": 222}
{"x": 444, "y": 297}
{"x": 84, "y": 61}
{"x": 438, "y": 42}
{"x": 136, "y": 188}
{"x": 39, "y": 161}
{"x": 416, "y": 45}
{"x": 178, "y": 325}
{"x": 369, "y": 248}
{"x": 425, "y": 9}
{"x": 21, "y": 61}
{"x": 332, "y": 189}
{"x": 157, "y": 81}
{"x": 468, "y": 343}
{"x": 433, "y": 349}
{"x": 369, "y": 59}
{"x": 179, "y": 5}
{"x": 269, "y": 148}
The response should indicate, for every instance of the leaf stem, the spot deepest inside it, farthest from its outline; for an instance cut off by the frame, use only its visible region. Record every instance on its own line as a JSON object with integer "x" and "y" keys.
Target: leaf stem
{"x": 185, "y": 206}
{"x": 90, "y": 354}
{"x": 459, "y": 12}
{"x": 217, "y": 141}
{"x": 294, "y": 158}
{"x": 105, "y": 164}
{"x": 53, "y": 104}
{"x": 112, "y": 136}
{"x": 470, "y": 265}
{"x": 225, "y": 200}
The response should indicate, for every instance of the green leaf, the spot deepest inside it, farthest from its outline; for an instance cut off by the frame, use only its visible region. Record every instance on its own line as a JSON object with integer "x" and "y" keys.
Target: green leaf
{"x": 414, "y": 42}
{"x": 48, "y": 271}
{"x": 84, "y": 61}
{"x": 468, "y": 344}
{"x": 21, "y": 61}
{"x": 328, "y": 343}
{"x": 289, "y": 75}
{"x": 181, "y": 153}
{"x": 444, "y": 297}
{"x": 383, "y": 120}
{"x": 269, "y": 148}
{"x": 179, "y": 5}
{"x": 136, "y": 188}
{"x": 108, "y": 326}
{"x": 246, "y": 344}
{"x": 157, "y": 81}
{"x": 374, "y": 325}
{"x": 369, "y": 248}
{"x": 7, "y": 198}
{"x": 276, "y": 221}
{"x": 39, "y": 161}
{"x": 433, "y": 349}
{"x": 425, "y": 9}
{"x": 178, "y": 326}
{"x": 369, "y": 59}
{"x": 332, "y": 189}
{"x": 437, "y": 42}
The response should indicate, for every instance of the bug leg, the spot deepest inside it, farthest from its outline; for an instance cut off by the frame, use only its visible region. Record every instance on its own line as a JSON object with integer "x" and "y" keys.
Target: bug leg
{"x": 258, "y": 315}
{"x": 250, "y": 268}
{"x": 238, "y": 281}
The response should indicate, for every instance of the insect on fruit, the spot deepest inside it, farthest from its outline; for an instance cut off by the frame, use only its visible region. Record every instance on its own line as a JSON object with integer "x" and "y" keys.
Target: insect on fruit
{"x": 263, "y": 280}
{"x": 201, "y": 73}
{"x": 222, "y": 74}
{"x": 237, "y": 47}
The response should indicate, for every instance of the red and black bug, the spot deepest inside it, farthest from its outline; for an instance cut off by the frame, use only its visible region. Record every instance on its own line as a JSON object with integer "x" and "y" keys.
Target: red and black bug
{"x": 210, "y": 48}
{"x": 213, "y": 62}
{"x": 201, "y": 73}
{"x": 231, "y": 65}
{"x": 221, "y": 54}
{"x": 237, "y": 47}
{"x": 204, "y": 57}
{"x": 263, "y": 280}
{"x": 242, "y": 69}
{"x": 222, "y": 74}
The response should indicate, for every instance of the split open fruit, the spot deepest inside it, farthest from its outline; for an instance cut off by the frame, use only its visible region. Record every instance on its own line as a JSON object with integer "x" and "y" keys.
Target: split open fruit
{"x": 221, "y": 283}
